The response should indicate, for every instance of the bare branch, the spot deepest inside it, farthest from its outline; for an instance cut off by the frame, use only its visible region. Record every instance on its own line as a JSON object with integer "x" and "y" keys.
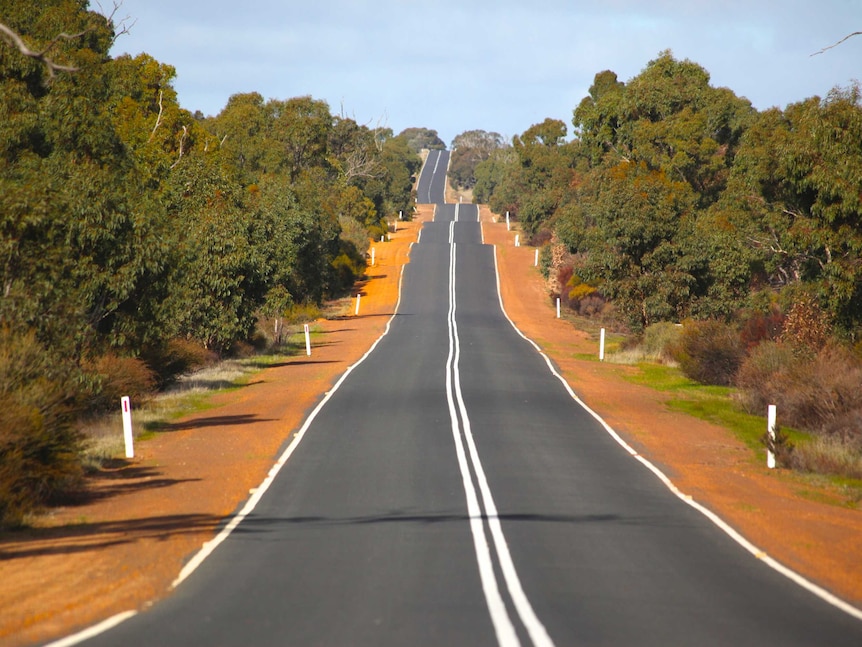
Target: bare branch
{"x": 124, "y": 28}
{"x": 158, "y": 119}
{"x": 182, "y": 141}
{"x": 848, "y": 37}
{"x": 16, "y": 41}
{"x": 12, "y": 38}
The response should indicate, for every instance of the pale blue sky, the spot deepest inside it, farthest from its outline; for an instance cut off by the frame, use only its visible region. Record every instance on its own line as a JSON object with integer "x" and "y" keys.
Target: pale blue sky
{"x": 496, "y": 65}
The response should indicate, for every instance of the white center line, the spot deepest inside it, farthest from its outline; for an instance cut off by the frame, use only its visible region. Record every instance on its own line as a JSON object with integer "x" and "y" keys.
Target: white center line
{"x": 503, "y": 625}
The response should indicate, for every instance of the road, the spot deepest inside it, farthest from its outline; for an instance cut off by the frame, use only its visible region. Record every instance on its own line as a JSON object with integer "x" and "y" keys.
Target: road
{"x": 450, "y": 491}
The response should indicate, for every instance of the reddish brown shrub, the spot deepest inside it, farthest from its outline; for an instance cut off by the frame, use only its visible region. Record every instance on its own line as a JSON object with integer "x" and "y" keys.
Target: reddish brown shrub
{"x": 824, "y": 393}
{"x": 761, "y": 326}
{"x": 819, "y": 393}
{"x": 121, "y": 376}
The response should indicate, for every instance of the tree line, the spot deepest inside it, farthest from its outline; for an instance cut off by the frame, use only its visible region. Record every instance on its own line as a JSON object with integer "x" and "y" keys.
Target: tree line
{"x": 135, "y": 233}
{"x": 676, "y": 199}
{"x": 677, "y": 202}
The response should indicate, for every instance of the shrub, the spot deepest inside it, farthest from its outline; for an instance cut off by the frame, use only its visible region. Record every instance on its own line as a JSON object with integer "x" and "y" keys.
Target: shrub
{"x": 540, "y": 238}
{"x": 177, "y": 357}
{"x": 121, "y": 376}
{"x": 781, "y": 447}
{"x": 762, "y": 376}
{"x": 39, "y": 444}
{"x": 824, "y": 393}
{"x": 709, "y": 352}
{"x": 819, "y": 394}
{"x": 345, "y": 271}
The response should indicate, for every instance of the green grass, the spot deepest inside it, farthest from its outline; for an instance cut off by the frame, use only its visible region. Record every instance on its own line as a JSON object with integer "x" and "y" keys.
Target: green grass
{"x": 714, "y": 404}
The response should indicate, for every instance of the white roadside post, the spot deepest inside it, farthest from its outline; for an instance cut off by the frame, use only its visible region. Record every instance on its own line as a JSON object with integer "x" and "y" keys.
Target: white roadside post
{"x": 558, "y": 307}
{"x": 507, "y": 221}
{"x": 770, "y": 429}
{"x": 126, "y": 407}
{"x": 602, "y": 345}
{"x": 358, "y": 297}
{"x": 372, "y": 257}
{"x": 400, "y": 215}
{"x": 536, "y": 261}
{"x": 307, "y": 341}
{"x": 517, "y": 240}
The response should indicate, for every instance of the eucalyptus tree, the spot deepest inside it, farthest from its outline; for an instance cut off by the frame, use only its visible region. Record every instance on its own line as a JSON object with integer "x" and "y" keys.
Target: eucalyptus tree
{"x": 795, "y": 197}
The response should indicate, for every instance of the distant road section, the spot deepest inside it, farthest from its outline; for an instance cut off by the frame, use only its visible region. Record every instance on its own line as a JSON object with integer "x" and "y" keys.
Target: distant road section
{"x": 431, "y": 188}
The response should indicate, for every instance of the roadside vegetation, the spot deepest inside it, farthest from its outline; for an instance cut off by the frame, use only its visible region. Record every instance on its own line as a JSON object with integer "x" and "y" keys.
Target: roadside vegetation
{"x": 707, "y": 235}
{"x": 140, "y": 241}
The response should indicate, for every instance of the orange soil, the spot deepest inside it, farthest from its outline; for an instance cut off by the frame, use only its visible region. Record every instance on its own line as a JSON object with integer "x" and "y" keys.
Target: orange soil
{"x": 123, "y": 547}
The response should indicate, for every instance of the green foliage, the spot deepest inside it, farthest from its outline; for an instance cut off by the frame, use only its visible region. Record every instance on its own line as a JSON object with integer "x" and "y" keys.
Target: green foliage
{"x": 469, "y": 149}
{"x": 490, "y": 173}
{"x": 136, "y": 239}
{"x": 685, "y": 202}
{"x": 641, "y": 262}
{"x": 419, "y": 138}
{"x": 794, "y": 195}
{"x": 534, "y": 179}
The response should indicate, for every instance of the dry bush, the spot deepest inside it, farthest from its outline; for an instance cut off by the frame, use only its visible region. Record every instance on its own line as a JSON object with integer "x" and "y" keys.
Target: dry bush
{"x": 540, "y": 238}
{"x": 806, "y": 326}
{"x": 829, "y": 455}
{"x": 709, "y": 352}
{"x": 819, "y": 393}
{"x": 762, "y": 377}
{"x": 591, "y": 305}
{"x": 824, "y": 393}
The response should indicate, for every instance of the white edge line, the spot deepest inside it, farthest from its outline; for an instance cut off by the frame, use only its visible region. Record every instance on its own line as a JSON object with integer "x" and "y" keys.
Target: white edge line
{"x": 207, "y": 549}
{"x": 802, "y": 581}
{"x": 93, "y": 631}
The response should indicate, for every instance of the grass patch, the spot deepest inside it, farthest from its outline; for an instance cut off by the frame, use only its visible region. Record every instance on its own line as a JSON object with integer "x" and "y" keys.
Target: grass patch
{"x": 714, "y": 404}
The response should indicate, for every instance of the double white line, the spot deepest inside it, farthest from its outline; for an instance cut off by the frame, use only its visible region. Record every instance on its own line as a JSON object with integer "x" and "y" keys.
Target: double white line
{"x": 479, "y": 519}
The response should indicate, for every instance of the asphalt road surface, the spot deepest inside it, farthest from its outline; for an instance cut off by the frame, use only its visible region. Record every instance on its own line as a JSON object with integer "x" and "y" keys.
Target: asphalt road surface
{"x": 452, "y": 492}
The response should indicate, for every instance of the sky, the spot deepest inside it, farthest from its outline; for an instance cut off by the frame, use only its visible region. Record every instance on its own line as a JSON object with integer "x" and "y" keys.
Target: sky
{"x": 495, "y": 65}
